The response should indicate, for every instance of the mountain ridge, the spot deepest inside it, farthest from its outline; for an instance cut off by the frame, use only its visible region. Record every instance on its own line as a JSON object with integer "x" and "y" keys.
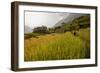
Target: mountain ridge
{"x": 71, "y": 17}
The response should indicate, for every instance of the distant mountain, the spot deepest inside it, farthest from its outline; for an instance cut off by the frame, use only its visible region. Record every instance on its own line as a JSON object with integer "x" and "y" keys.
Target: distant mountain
{"x": 27, "y": 29}
{"x": 69, "y": 18}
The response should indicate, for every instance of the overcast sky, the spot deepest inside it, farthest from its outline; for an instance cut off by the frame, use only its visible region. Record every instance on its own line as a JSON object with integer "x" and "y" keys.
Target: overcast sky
{"x": 49, "y": 19}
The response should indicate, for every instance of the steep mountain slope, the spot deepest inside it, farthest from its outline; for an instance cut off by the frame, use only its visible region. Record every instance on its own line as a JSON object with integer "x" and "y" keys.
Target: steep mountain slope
{"x": 70, "y": 17}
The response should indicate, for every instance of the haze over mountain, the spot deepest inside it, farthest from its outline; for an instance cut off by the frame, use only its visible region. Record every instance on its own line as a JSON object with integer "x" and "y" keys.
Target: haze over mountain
{"x": 27, "y": 29}
{"x": 70, "y": 17}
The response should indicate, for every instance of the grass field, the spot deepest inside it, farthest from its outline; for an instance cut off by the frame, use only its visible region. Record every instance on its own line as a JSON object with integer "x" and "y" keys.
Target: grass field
{"x": 58, "y": 46}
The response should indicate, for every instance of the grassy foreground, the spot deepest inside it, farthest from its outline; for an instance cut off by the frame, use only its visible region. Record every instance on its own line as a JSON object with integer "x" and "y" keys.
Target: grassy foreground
{"x": 58, "y": 46}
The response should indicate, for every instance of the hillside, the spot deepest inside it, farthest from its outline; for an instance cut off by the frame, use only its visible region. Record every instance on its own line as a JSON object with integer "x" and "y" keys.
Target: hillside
{"x": 75, "y": 24}
{"x": 67, "y": 19}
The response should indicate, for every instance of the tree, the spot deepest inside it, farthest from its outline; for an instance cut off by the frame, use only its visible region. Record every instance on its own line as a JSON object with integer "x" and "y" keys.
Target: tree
{"x": 42, "y": 29}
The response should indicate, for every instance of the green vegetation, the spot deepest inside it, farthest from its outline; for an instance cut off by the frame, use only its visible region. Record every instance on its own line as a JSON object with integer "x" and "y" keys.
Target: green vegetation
{"x": 69, "y": 41}
{"x": 32, "y": 35}
{"x": 76, "y": 24}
